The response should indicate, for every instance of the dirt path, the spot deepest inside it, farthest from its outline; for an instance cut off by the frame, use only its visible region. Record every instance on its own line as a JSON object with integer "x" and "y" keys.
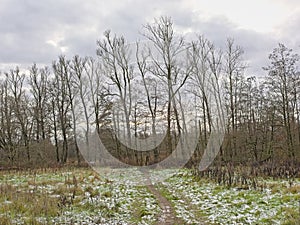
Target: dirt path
{"x": 168, "y": 215}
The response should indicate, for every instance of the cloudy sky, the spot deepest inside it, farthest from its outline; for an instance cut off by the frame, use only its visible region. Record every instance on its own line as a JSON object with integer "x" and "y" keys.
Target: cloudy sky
{"x": 39, "y": 31}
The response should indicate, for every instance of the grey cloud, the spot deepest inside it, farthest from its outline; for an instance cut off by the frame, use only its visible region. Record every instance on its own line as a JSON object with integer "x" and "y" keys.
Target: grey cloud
{"x": 290, "y": 34}
{"x": 257, "y": 46}
{"x": 26, "y": 26}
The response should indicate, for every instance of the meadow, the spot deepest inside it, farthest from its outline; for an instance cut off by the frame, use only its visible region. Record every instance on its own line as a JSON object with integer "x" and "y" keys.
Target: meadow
{"x": 82, "y": 196}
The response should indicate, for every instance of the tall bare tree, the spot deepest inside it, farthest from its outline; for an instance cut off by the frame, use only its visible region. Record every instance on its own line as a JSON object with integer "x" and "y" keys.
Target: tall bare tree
{"x": 115, "y": 54}
{"x": 15, "y": 81}
{"x": 38, "y": 83}
{"x": 9, "y": 138}
{"x": 166, "y": 63}
{"x": 233, "y": 69}
{"x": 282, "y": 80}
{"x": 200, "y": 62}
{"x": 62, "y": 103}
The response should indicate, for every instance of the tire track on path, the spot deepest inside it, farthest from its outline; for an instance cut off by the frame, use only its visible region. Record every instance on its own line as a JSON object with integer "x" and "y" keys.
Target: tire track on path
{"x": 168, "y": 215}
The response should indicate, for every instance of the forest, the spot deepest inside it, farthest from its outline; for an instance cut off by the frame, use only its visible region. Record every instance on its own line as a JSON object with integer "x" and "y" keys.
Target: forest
{"x": 148, "y": 87}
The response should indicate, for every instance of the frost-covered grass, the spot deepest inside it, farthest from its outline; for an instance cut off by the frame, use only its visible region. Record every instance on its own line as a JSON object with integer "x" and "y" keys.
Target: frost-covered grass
{"x": 196, "y": 200}
{"x": 82, "y": 196}
{"x": 72, "y": 196}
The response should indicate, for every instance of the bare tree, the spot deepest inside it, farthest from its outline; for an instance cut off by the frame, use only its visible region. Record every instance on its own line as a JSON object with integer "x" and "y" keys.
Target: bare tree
{"x": 99, "y": 106}
{"x": 15, "y": 81}
{"x": 115, "y": 57}
{"x": 78, "y": 89}
{"x": 166, "y": 64}
{"x": 148, "y": 83}
{"x": 38, "y": 83}
{"x": 62, "y": 103}
{"x": 9, "y": 138}
{"x": 201, "y": 72}
{"x": 282, "y": 80}
{"x": 233, "y": 69}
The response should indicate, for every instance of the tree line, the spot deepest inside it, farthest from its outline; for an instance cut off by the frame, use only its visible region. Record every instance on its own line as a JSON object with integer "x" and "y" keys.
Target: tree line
{"x": 166, "y": 84}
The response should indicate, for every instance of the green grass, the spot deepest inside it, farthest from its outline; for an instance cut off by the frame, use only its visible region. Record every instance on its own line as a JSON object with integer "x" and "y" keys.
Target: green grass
{"x": 276, "y": 204}
{"x": 71, "y": 196}
{"x": 68, "y": 196}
